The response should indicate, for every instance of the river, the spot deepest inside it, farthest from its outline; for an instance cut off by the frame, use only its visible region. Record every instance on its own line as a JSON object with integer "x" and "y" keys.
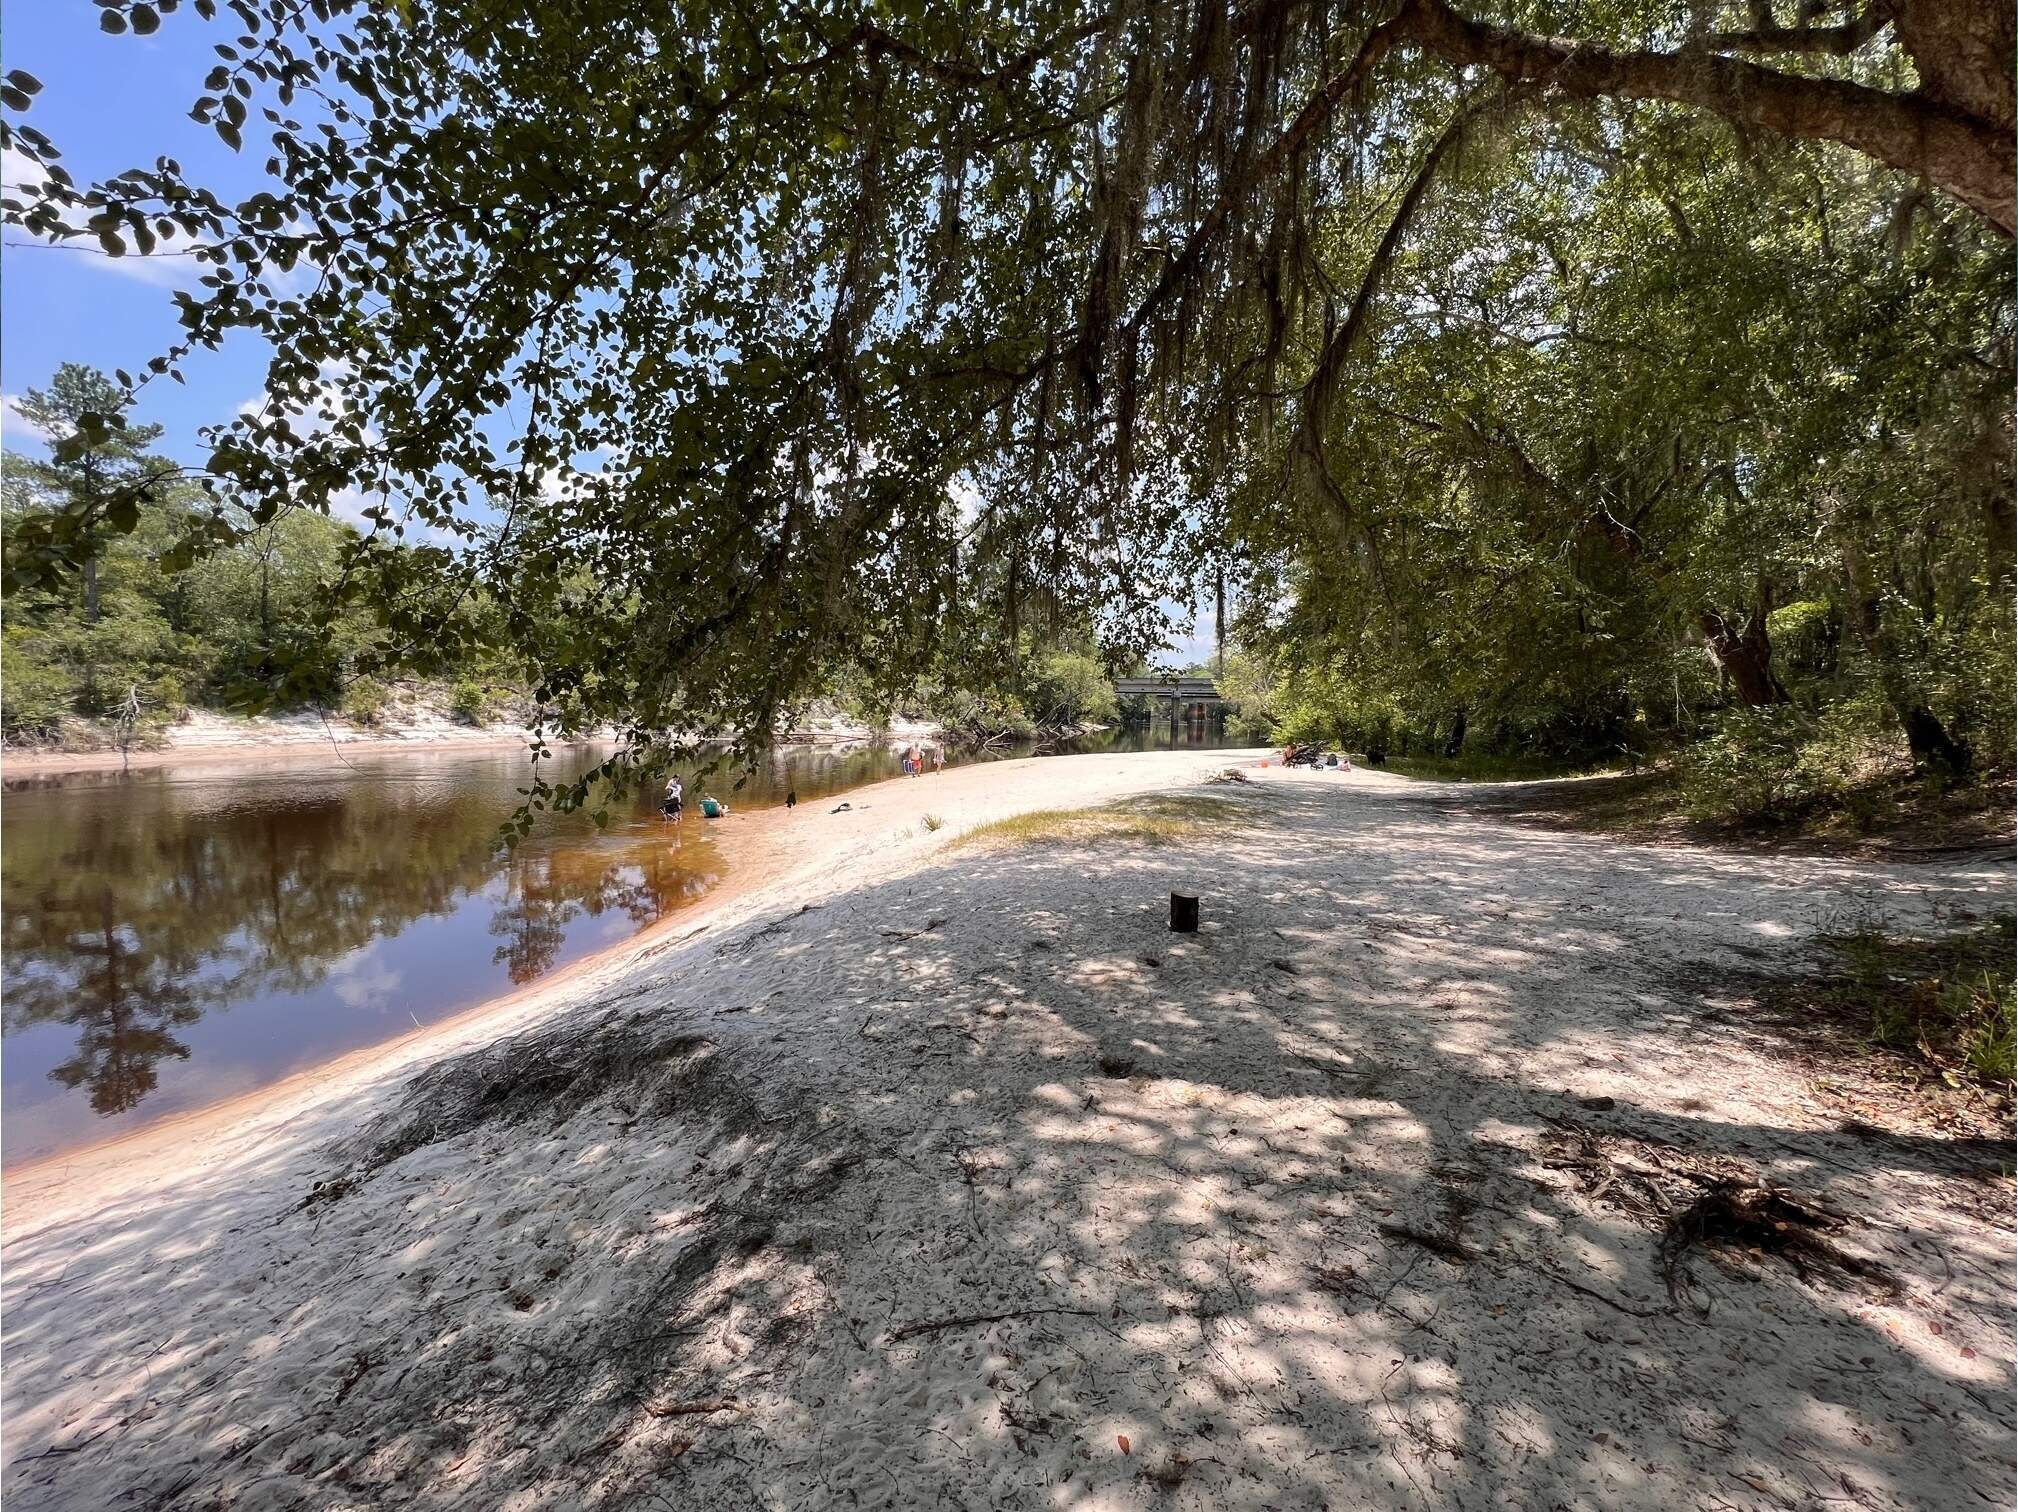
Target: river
{"x": 182, "y": 935}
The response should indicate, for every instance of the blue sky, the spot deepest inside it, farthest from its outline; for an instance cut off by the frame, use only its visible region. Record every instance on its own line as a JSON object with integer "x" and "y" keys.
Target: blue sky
{"x": 111, "y": 103}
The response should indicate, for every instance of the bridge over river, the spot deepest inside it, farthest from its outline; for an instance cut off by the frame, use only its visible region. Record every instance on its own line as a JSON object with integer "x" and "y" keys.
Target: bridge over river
{"x": 1194, "y": 700}
{"x": 1199, "y": 690}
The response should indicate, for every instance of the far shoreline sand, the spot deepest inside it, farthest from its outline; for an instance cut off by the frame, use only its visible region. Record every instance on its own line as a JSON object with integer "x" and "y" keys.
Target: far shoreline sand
{"x": 207, "y": 739}
{"x": 24, "y": 763}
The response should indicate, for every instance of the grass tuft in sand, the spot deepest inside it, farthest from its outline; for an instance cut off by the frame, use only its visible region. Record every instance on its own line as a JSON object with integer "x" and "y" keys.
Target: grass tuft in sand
{"x": 1160, "y": 819}
{"x": 1948, "y": 998}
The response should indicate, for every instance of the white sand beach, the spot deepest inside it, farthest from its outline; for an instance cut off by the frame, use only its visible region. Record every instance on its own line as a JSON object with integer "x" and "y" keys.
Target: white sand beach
{"x": 915, "y": 1173}
{"x": 201, "y": 737}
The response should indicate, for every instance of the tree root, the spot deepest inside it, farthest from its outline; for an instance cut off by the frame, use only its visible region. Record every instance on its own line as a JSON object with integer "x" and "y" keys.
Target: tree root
{"x": 1740, "y": 1216}
{"x": 940, "y": 1325}
{"x": 1709, "y": 1203}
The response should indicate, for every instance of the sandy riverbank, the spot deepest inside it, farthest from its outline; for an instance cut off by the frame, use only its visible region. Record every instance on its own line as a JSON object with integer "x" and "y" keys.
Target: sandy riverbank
{"x": 782, "y": 858}
{"x": 202, "y": 738}
{"x": 206, "y": 739}
{"x": 919, "y": 1174}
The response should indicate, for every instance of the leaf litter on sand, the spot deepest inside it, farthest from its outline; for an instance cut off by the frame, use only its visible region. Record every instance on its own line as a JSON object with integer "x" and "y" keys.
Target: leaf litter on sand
{"x": 1707, "y": 1202}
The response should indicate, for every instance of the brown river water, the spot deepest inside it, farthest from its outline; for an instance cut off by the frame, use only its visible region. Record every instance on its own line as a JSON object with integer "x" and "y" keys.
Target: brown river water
{"x": 178, "y": 936}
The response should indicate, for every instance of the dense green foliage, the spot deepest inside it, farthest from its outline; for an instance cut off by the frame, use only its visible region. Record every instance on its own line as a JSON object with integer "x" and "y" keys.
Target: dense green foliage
{"x": 1679, "y": 393}
{"x": 748, "y": 350}
{"x": 136, "y": 636}
{"x": 200, "y": 636}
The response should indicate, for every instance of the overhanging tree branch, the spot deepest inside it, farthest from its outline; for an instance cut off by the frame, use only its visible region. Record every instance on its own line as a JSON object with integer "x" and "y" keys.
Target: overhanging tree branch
{"x": 1968, "y": 156}
{"x": 1837, "y": 41}
{"x": 1280, "y": 154}
{"x": 1320, "y": 393}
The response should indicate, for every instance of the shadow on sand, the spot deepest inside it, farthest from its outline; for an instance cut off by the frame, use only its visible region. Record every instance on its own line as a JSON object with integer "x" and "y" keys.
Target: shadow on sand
{"x": 980, "y": 1188}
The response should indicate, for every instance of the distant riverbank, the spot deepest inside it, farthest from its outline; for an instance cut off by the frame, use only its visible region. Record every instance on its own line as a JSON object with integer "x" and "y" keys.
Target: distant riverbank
{"x": 202, "y": 736}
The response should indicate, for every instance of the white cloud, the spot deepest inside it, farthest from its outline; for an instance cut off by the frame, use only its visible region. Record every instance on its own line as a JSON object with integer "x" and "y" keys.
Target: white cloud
{"x": 1201, "y": 645}
{"x": 361, "y": 982}
{"x": 170, "y": 266}
{"x": 164, "y": 268}
{"x": 14, "y": 423}
{"x": 966, "y": 498}
{"x": 350, "y": 502}
{"x": 310, "y": 419}
{"x": 18, "y": 170}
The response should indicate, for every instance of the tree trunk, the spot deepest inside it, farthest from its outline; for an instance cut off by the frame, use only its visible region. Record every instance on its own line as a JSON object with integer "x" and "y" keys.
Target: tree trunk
{"x": 1219, "y": 621}
{"x": 1954, "y": 130}
{"x": 91, "y": 590}
{"x": 1455, "y": 745}
{"x": 266, "y": 599}
{"x": 1987, "y": 469}
{"x": 1052, "y": 614}
{"x": 1933, "y": 749}
{"x": 1745, "y": 655}
{"x": 1962, "y": 52}
{"x": 1013, "y": 591}
{"x": 1999, "y": 525}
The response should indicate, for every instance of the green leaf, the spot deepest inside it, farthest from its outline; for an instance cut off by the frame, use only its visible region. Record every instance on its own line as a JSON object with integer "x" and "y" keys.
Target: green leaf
{"x": 146, "y": 20}
{"x": 111, "y": 21}
{"x": 24, "y": 81}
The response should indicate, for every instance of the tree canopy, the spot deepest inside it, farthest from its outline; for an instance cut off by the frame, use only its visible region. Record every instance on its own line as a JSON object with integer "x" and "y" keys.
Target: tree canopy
{"x": 737, "y": 342}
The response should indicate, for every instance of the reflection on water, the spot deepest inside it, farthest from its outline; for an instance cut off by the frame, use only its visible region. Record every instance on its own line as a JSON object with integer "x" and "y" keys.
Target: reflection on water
{"x": 324, "y": 907}
{"x": 176, "y": 937}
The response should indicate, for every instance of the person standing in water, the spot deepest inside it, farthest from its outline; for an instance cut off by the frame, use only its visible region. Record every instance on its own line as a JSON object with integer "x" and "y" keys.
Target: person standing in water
{"x": 675, "y": 799}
